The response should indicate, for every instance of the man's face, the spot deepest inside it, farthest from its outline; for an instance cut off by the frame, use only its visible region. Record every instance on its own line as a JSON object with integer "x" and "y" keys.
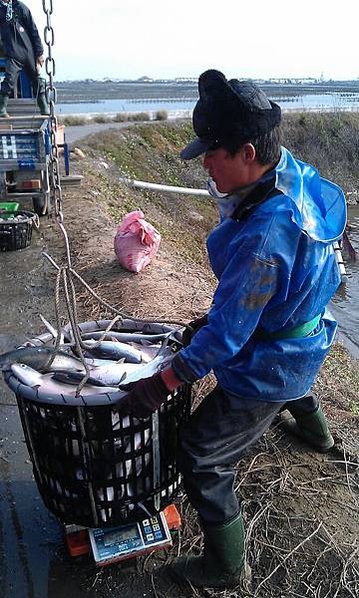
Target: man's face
{"x": 228, "y": 172}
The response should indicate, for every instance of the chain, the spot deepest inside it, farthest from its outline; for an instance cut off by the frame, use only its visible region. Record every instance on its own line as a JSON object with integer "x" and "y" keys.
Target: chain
{"x": 51, "y": 97}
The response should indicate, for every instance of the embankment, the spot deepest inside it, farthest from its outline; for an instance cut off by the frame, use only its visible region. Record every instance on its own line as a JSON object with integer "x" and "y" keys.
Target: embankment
{"x": 178, "y": 284}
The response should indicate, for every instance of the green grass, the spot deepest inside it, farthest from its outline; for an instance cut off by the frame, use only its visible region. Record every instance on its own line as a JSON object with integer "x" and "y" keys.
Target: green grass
{"x": 161, "y": 115}
{"x": 72, "y": 121}
{"x": 354, "y": 407}
{"x": 150, "y": 152}
{"x": 102, "y": 118}
{"x": 329, "y": 141}
{"x": 120, "y": 117}
{"x": 139, "y": 116}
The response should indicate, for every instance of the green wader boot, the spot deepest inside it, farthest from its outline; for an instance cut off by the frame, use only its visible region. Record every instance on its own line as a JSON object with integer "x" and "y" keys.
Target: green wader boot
{"x": 41, "y": 97}
{"x": 3, "y": 104}
{"x": 43, "y": 105}
{"x": 310, "y": 427}
{"x": 222, "y": 561}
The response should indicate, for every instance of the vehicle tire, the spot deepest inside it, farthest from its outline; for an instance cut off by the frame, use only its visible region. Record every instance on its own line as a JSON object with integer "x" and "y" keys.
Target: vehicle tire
{"x": 39, "y": 204}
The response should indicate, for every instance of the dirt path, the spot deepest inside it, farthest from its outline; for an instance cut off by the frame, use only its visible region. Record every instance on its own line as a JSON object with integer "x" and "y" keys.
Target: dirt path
{"x": 31, "y": 539}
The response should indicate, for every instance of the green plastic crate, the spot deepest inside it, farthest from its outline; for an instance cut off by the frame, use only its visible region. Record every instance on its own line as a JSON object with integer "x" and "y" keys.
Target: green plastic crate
{"x": 9, "y": 206}
{"x": 8, "y": 210}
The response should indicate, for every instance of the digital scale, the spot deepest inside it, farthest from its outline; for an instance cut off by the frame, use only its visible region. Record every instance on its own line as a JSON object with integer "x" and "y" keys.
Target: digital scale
{"x": 114, "y": 544}
{"x": 118, "y": 543}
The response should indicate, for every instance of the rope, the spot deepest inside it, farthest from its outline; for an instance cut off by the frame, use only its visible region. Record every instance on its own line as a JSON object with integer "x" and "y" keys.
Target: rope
{"x": 119, "y": 313}
{"x": 66, "y": 274}
{"x": 36, "y": 221}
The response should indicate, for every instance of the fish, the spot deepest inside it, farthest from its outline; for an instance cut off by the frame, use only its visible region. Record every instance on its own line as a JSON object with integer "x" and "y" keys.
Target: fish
{"x": 113, "y": 350}
{"x": 111, "y": 374}
{"x": 39, "y": 358}
{"x": 29, "y": 376}
{"x": 65, "y": 332}
{"x": 147, "y": 370}
{"x": 74, "y": 378}
{"x": 95, "y": 362}
{"x": 126, "y": 337}
{"x": 148, "y": 352}
{"x": 110, "y": 494}
{"x": 52, "y": 330}
{"x": 115, "y": 374}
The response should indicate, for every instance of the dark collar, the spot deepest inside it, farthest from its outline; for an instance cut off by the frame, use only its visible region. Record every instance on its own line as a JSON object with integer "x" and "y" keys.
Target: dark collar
{"x": 257, "y": 194}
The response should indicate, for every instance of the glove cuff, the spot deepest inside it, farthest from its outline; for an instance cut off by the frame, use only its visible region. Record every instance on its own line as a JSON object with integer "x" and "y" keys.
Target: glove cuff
{"x": 170, "y": 379}
{"x": 182, "y": 370}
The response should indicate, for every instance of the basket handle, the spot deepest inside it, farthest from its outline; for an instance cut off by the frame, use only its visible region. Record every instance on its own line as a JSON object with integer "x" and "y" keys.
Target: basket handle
{"x": 36, "y": 221}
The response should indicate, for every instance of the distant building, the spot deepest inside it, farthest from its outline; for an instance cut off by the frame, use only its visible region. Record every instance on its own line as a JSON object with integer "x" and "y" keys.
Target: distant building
{"x": 186, "y": 79}
{"x": 292, "y": 81}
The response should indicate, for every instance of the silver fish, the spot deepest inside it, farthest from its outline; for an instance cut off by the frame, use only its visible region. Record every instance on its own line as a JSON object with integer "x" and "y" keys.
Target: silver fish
{"x": 148, "y": 352}
{"x": 27, "y": 375}
{"x": 127, "y": 337}
{"x": 39, "y": 358}
{"x": 95, "y": 362}
{"x": 110, "y": 374}
{"x": 149, "y": 369}
{"x": 52, "y": 330}
{"x": 74, "y": 378}
{"x": 113, "y": 374}
{"x": 114, "y": 350}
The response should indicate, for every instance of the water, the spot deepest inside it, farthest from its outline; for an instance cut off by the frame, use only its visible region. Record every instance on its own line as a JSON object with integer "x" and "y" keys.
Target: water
{"x": 345, "y": 305}
{"x": 115, "y": 106}
{"x": 315, "y": 101}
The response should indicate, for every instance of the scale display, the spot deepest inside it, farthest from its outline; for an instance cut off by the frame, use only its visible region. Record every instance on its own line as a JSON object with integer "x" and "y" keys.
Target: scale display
{"x": 119, "y": 543}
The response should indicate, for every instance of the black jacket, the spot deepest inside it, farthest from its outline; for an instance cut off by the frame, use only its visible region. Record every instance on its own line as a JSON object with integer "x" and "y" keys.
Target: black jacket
{"x": 20, "y": 37}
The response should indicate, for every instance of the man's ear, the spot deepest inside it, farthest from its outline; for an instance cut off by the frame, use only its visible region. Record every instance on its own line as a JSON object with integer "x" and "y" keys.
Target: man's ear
{"x": 249, "y": 152}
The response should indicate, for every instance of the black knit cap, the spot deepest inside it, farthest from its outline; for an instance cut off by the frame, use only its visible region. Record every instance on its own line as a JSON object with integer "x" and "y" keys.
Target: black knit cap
{"x": 227, "y": 110}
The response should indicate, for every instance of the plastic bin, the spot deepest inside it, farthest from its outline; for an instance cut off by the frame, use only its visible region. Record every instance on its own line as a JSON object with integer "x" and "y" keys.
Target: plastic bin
{"x": 10, "y": 206}
{"x": 15, "y": 235}
{"x": 93, "y": 465}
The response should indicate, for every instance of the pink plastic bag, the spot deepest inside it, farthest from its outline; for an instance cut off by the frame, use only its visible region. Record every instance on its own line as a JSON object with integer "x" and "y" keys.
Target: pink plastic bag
{"x": 136, "y": 242}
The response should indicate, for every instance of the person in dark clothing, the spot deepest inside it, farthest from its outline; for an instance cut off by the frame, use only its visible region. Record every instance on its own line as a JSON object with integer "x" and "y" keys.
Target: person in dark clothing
{"x": 268, "y": 329}
{"x": 23, "y": 50}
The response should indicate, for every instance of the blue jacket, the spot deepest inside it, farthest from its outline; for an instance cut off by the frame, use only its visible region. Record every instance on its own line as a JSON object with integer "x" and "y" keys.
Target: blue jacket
{"x": 276, "y": 269}
{"x": 20, "y": 37}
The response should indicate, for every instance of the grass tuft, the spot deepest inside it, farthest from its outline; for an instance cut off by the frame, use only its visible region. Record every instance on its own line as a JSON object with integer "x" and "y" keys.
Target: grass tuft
{"x": 139, "y": 116}
{"x": 161, "y": 115}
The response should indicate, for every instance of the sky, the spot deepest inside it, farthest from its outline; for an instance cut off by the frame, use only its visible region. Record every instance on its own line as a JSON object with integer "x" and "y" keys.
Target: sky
{"x": 128, "y": 39}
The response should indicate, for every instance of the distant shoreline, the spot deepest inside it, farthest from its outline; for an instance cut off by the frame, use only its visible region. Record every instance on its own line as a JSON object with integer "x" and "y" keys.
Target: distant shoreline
{"x": 92, "y": 117}
{"x": 178, "y": 98}
{"x": 94, "y": 91}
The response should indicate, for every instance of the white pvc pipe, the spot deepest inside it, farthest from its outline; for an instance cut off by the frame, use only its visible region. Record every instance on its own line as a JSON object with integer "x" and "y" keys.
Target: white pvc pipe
{"x": 189, "y": 191}
{"x": 340, "y": 261}
{"x": 165, "y": 188}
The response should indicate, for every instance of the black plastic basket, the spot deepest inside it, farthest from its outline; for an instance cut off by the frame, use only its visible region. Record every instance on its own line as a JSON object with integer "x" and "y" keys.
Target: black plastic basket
{"x": 16, "y": 235}
{"x": 94, "y": 466}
